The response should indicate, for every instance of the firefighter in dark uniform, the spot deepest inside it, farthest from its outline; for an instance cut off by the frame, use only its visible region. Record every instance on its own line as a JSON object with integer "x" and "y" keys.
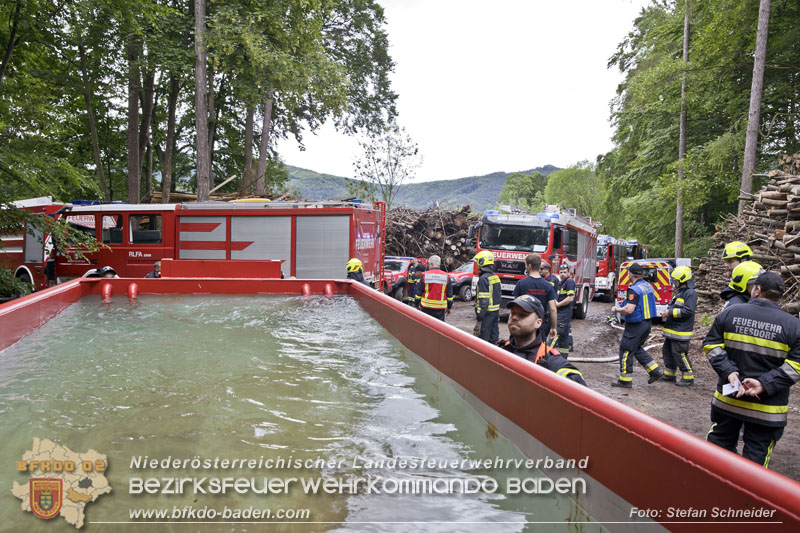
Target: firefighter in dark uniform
{"x": 436, "y": 295}
{"x": 546, "y": 272}
{"x": 355, "y": 271}
{"x": 755, "y": 347}
{"x": 412, "y": 282}
{"x": 640, "y": 308}
{"x": 678, "y": 326}
{"x": 523, "y": 325}
{"x": 734, "y": 253}
{"x": 736, "y": 291}
{"x": 487, "y": 299}
{"x": 564, "y": 303}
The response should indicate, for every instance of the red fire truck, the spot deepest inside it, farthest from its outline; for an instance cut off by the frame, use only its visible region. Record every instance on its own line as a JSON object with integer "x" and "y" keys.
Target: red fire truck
{"x": 558, "y": 235}
{"x": 656, "y": 273}
{"x": 611, "y": 253}
{"x": 314, "y": 239}
{"x": 25, "y": 253}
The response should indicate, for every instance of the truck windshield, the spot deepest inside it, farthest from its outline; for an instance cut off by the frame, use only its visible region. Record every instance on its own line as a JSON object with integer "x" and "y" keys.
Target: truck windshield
{"x": 395, "y": 266}
{"x": 515, "y": 238}
{"x": 602, "y": 249}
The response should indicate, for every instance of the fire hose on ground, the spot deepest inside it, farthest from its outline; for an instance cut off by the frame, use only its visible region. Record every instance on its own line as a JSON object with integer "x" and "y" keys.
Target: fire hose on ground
{"x": 611, "y": 321}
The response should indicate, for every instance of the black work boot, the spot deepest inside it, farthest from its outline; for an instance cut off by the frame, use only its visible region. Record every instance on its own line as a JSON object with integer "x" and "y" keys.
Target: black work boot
{"x": 685, "y": 382}
{"x": 655, "y": 375}
{"x": 622, "y": 384}
{"x": 665, "y": 377}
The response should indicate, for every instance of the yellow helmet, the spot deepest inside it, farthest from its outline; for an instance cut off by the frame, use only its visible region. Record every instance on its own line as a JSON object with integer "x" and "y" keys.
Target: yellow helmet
{"x": 484, "y": 258}
{"x": 682, "y": 274}
{"x": 354, "y": 265}
{"x": 742, "y": 274}
{"x": 736, "y": 250}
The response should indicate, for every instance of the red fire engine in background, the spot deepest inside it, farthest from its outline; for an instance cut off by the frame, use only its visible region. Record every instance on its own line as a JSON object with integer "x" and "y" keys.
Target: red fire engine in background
{"x": 558, "y": 235}
{"x": 611, "y": 253}
{"x": 313, "y": 239}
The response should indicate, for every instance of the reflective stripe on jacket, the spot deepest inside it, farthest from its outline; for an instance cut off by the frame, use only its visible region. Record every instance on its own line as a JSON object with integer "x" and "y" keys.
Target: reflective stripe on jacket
{"x": 437, "y": 291}
{"x": 489, "y": 294}
{"x": 646, "y": 306}
{"x": 760, "y": 341}
{"x": 680, "y": 320}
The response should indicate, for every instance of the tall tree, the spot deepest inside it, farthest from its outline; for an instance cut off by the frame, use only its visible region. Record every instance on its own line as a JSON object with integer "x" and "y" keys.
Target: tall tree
{"x": 134, "y": 165}
{"x": 756, "y": 91}
{"x": 387, "y": 161}
{"x": 202, "y": 154}
{"x": 682, "y": 137}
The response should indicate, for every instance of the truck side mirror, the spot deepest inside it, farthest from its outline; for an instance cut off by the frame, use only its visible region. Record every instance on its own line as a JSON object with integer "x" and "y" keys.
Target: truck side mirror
{"x": 557, "y": 240}
{"x": 470, "y": 234}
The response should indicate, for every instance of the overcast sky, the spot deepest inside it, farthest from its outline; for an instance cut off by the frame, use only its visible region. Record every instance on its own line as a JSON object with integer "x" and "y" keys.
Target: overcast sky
{"x": 494, "y": 86}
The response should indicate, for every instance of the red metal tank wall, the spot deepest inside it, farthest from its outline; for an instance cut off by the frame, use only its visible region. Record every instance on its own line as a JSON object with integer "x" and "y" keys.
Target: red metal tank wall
{"x": 646, "y": 462}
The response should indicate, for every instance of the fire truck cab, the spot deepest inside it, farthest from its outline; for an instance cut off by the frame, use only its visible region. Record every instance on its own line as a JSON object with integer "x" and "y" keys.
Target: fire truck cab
{"x": 558, "y": 235}
{"x": 611, "y": 253}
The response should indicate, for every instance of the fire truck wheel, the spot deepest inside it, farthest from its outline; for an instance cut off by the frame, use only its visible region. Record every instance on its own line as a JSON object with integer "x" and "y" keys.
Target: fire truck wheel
{"x": 466, "y": 292}
{"x": 25, "y": 278}
{"x": 582, "y": 309}
{"x": 399, "y": 293}
{"x": 611, "y": 295}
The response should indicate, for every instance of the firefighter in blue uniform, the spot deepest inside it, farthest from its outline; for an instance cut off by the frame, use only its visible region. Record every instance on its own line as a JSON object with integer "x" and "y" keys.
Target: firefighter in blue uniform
{"x": 412, "y": 282}
{"x": 678, "y": 326}
{"x": 565, "y": 302}
{"x": 487, "y": 299}
{"x": 736, "y": 291}
{"x": 524, "y": 322}
{"x": 640, "y": 308}
{"x": 355, "y": 271}
{"x": 546, "y": 272}
{"x": 755, "y": 347}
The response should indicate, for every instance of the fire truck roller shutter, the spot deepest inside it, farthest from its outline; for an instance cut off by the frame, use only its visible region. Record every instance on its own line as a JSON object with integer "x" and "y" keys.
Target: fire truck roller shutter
{"x": 322, "y": 247}
{"x": 202, "y": 237}
{"x": 262, "y": 238}
{"x": 34, "y": 245}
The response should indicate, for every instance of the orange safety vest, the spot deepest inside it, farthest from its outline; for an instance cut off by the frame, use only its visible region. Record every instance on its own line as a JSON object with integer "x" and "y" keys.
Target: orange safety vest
{"x": 434, "y": 295}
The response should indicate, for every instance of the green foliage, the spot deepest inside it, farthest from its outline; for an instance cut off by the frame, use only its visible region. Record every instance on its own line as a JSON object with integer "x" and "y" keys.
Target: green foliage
{"x": 640, "y": 174}
{"x": 577, "y": 187}
{"x": 524, "y": 190}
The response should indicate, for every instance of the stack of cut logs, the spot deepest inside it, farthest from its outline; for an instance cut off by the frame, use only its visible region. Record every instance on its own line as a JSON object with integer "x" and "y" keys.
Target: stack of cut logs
{"x": 770, "y": 225}
{"x": 424, "y": 233}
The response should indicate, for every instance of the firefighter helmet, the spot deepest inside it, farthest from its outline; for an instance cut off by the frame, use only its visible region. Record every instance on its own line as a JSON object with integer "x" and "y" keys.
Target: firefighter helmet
{"x": 743, "y": 274}
{"x": 354, "y": 265}
{"x": 681, "y": 274}
{"x": 484, "y": 258}
{"x": 737, "y": 250}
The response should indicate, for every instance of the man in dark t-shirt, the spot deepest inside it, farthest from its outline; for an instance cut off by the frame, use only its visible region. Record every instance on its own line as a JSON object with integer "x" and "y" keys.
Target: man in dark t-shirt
{"x": 534, "y": 285}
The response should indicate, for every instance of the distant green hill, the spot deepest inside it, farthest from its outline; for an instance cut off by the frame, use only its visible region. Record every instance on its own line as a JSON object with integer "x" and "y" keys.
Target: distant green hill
{"x": 482, "y": 192}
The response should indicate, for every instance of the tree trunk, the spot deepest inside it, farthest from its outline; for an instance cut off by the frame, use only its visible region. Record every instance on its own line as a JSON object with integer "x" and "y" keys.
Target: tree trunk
{"x": 134, "y": 168}
{"x": 13, "y": 41}
{"x": 682, "y": 137}
{"x": 201, "y": 103}
{"x": 262, "y": 153}
{"x": 247, "y": 171}
{"x": 87, "y": 96}
{"x": 756, "y": 90}
{"x": 149, "y": 172}
{"x": 166, "y": 165}
{"x": 212, "y": 124}
{"x": 147, "y": 113}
